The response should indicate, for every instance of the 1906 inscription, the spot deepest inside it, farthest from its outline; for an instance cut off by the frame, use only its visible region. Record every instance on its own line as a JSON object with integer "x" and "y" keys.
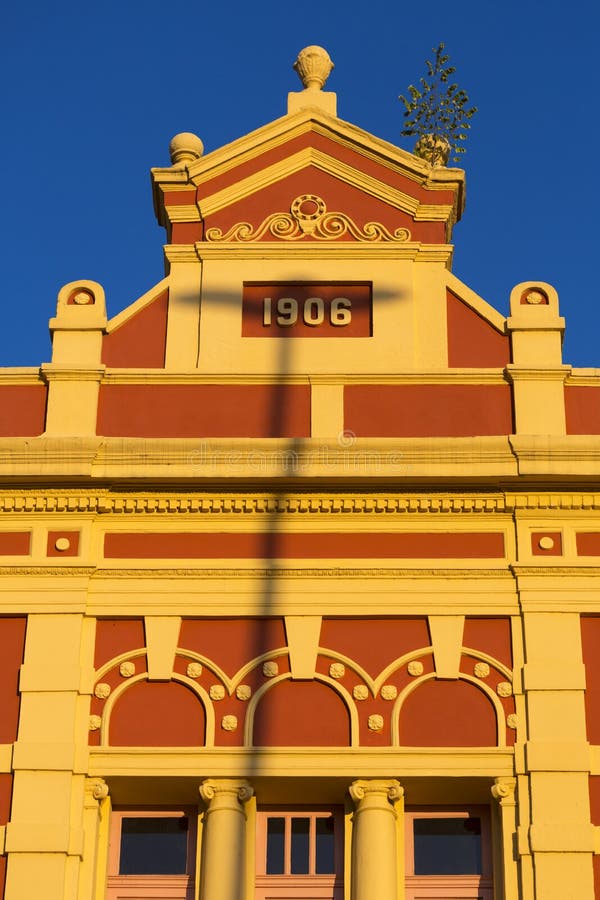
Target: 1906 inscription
{"x": 313, "y": 311}
{"x": 306, "y": 309}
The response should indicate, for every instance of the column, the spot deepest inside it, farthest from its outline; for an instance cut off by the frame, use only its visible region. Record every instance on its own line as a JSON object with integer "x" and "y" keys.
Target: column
{"x": 503, "y": 791}
{"x": 223, "y": 839}
{"x": 374, "y": 839}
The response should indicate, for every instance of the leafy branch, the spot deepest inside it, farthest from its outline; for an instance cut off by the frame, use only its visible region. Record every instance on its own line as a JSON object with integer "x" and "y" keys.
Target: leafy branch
{"x": 437, "y": 112}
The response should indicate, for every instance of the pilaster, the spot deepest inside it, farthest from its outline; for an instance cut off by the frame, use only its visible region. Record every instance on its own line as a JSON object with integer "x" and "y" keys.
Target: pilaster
{"x": 75, "y": 372}
{"x": 45, "y": 837}
{"x": 537, "y": 372}
{"x": 559, "y": 835}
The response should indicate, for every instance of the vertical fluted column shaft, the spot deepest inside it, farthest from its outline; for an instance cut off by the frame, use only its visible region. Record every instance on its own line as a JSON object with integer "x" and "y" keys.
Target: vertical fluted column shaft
{"x": 374, "y": 839}
{"x": 224, "y": 838}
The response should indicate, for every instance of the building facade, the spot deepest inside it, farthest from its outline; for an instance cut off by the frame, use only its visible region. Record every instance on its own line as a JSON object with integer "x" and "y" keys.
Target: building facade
{"x": 300, "y": 554}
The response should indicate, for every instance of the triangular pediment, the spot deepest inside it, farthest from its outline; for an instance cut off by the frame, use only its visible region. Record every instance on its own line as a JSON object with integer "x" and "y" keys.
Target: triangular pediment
{"x": 309, "y": 153}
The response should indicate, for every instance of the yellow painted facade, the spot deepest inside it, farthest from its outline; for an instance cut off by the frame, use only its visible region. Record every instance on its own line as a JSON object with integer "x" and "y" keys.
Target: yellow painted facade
{"x": 122, "y": 521}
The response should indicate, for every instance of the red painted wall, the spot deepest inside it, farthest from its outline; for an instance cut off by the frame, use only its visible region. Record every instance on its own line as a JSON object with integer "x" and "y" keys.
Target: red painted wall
{"x": 588, "y": 543}
{"x": 590, "y": 639}
{"x": 374, "y": 643}
{"x": 491, "y": 636}
{"x": 140, "y": 341}
{"x": 472, "y": 341}
{"x": 15, "y": 543}
{"x": 12, "y": 647}
{"x": 428, "y": 410}
{"x": 301, "y": 714}
{"x": 447, "y": 714}
{"x": 116, "y": 636}
{"x": 22, "y": 410}
{"x": 231, "y": 643}
{"x": 221, "y": 545}
{"x": 582, "y": 409}
{"x": 205, "y": 410}
{"x": 157, "y": 714}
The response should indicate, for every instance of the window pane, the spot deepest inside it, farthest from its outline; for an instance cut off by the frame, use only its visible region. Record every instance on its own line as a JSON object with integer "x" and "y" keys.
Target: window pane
{"x": 447, "y": 846}
{"x": 275, "y": 846}
{"x": 325, "y": 864}
{"x": 153, "y": 846}
{"x": 300, "y": 846}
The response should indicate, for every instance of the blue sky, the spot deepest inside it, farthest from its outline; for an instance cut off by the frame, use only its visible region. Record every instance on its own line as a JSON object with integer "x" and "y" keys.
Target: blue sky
{"x": 93, "y": 94}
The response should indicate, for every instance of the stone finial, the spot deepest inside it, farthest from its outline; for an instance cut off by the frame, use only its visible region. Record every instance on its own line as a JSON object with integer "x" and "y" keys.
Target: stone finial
{"x": 185, "y": 147}
{"x": 313, "y": 66}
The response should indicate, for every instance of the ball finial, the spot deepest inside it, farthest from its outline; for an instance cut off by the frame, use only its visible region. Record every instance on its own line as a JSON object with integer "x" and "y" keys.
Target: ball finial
{"x": 185, "y": 147}
{"x": 313, "y": 66}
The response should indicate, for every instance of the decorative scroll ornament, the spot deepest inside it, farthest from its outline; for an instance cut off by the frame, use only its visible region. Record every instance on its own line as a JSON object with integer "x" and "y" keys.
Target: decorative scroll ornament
{"x": 213, "y": 788}
{"x": 99, "y": 789}
{"x": 308, "y": 216}
{"x": 503, "y": 790}
{"x": 391, "y": 790}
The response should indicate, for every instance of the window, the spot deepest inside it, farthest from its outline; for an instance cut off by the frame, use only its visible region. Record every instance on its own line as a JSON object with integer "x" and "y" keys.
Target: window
{"x": 448, "y": 854}
{"x": 152, "y": 854}
{"x": 299, "y": 854}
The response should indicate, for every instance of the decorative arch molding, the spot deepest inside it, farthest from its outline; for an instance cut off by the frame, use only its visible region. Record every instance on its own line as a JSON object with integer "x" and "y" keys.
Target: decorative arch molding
{"x": 431, "y": 676}
{"x": 287, "y": 676}
{"x": 491, "y": 660}
{"x": 197, "y": 689}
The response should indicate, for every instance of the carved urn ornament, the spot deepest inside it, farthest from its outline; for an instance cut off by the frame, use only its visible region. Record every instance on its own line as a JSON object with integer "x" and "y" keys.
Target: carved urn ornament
{"x": 434, "y": 149}
{"x": 313, "y": 66}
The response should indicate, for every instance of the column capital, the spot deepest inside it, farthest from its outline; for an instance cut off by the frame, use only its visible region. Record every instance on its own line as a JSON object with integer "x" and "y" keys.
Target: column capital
{"x": 219, "y": 791}
{"x": 96, "y": 790}
{"x": 503, "y": 790}
{"x": 376, "y": 791}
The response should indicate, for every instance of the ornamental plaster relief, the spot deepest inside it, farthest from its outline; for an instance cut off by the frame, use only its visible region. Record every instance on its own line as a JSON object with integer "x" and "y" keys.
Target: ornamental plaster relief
{"x": 393, "y": 684}
{"x": 308, "y": 217}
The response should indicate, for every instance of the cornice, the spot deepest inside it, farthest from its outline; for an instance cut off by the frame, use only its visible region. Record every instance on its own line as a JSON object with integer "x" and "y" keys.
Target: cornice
{"x": 412, "y": 251}
{"x": 72, "y": 571}
{"x": 166, "y": 376}
{"x": 52, "y": 372}
{"x": 335, "y": 572}
{"x": 183, "y": 213}
{"x": 26, "y": 376}
{"x": 584, "y": 378}
{"x": 239, "y": 503}
{"x": 539, "y": 373}
{"x": 284, "y": 129}
{"x": 551, "y": 571}
{"x": 340, "y": 762}
{"x": 233, "y": 503}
